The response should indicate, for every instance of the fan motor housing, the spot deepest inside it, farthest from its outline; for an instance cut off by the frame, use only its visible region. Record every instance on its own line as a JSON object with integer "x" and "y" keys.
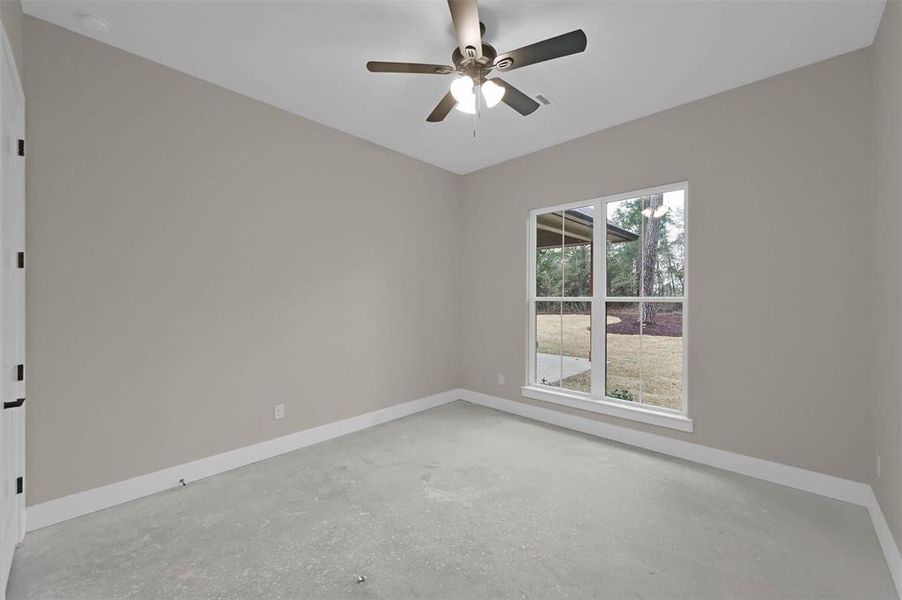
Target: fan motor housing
{"x": 465, "y": 64}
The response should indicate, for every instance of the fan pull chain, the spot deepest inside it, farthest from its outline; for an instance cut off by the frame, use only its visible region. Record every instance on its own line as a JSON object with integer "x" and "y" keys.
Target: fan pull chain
{"x": 476, "y": 93}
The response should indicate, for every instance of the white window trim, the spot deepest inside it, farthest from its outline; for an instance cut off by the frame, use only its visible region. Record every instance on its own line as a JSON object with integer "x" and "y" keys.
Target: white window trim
{"x": 611, "y": 407}
{"x": 596, "y": 401}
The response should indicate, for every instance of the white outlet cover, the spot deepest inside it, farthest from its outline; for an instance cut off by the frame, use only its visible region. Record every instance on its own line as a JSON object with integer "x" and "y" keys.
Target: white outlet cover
{"x": 278, "y": 411}
{"x": 501, "y": 380}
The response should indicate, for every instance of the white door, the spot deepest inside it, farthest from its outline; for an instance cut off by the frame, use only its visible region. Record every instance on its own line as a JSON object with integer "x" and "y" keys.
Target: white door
{"x": 12, "y": 311}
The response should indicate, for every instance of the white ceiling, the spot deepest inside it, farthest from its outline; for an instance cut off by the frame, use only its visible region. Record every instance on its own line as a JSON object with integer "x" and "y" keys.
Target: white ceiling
{"x": 308, "y": 57}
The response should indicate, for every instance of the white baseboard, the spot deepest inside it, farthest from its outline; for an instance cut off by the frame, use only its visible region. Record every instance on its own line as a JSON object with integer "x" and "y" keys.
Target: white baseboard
{"x": 853, "y": 492}
{"x": 82, "y": 503}
{"x": 887, "y": 542}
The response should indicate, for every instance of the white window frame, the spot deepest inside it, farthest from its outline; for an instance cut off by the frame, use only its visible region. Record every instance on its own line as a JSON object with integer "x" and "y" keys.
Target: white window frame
{"x": 596, "y": 401}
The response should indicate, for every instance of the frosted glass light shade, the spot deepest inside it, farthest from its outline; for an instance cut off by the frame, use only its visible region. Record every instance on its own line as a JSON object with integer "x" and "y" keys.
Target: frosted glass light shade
{"x": 492, "y": 92}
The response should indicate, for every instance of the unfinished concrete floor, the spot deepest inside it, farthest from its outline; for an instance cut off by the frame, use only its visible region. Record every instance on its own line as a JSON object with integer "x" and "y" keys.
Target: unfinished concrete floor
{"x": 463, "y": 502}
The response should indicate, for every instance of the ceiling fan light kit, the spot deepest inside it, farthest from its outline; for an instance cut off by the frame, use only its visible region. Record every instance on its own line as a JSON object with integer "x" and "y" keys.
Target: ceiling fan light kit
{"x": 474, "y": 60}
{"x": 465, "y": 94}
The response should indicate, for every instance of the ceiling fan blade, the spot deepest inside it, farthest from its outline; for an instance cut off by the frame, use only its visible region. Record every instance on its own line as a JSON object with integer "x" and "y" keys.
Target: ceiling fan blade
{"x": 556, "y": 47}
{"x": 465, "y": 16}
{"x": 441, "y": 111}
{"x": 516, "y": 99}
{"x": 375, "y": 66}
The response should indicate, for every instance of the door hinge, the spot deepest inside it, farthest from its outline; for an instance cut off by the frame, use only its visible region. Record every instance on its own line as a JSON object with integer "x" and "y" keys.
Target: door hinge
{"x": 20, "y": 485}
{"x": 20, "y": 372}
{"x": 20, "y": 260}
{"x": 21, "y": 147}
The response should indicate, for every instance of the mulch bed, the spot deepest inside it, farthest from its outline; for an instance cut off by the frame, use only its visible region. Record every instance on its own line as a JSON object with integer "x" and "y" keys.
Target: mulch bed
{"x": 666, "y": 324}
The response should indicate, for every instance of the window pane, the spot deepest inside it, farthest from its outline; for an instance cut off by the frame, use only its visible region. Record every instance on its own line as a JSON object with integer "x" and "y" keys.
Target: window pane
{"x": 622, "y": 248}
{"x": 577, "y": 260}
{"x": 662, "y": 354}
{"x": 548, "y": 343}
{"x": 549, "y": 250}
{"x": 576, "y": 346}
{"x": 663, "y": 244}
{"x": 622, "y": 345}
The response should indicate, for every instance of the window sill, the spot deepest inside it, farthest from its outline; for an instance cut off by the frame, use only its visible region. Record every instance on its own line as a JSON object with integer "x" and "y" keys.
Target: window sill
{"x": 638, "y": 413}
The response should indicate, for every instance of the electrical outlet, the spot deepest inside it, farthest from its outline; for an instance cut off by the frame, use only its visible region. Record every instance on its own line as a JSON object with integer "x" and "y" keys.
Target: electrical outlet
{"x": 501, "y": 380}
{"x": 278, "y": 411}
{"x": 878, "y": 466}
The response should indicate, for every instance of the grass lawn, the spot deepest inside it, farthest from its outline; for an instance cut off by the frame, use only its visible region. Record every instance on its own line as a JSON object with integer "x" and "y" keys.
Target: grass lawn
{"x": 575, "y": 330}
{"x": 662, "y": 369}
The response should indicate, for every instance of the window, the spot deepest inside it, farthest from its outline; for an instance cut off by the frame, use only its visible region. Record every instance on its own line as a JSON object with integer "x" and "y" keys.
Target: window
{"x": 618, "y": 263}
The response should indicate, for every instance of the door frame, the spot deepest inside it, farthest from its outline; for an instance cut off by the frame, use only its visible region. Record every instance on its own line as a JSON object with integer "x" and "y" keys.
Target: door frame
{"x": 15, "y": 94}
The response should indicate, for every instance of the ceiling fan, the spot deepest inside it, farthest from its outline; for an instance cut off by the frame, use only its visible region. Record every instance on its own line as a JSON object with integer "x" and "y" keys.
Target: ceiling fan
{"x": 474, "y": 60}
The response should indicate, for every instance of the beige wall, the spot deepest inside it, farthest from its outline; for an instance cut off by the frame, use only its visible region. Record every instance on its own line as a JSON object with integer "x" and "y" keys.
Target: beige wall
{"x": 195, "y": 257}
{"x": 12, "y": 18}
{"x": 779, "y": 259}
{"x": 887, "y": 132}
